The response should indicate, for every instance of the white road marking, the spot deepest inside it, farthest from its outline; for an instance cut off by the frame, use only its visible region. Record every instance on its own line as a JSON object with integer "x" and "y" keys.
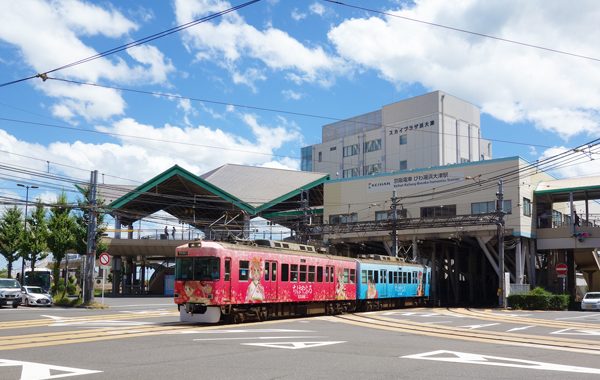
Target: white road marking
{"x": 578, "y": 317}
{"x": 472, "y": 327}
{"x": 576, "y": 332}
{"x": 193, "y": 331}
{"x": 292, "y": 345}
{"x": 263, "y": 337}
{"x": 39, "y": 371}
{"x": 96, "y": 323}
{"x": 467, "y": 358}
{"x": 436, "y": 322}
{"x": 519, "y": 328}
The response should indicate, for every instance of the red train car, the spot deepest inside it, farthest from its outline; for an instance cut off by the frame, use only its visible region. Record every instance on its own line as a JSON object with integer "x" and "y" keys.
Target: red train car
{"x": 253, "y": 280}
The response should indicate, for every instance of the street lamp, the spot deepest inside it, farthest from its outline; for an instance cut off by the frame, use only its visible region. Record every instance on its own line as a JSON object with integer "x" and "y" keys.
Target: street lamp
{"x": 27, "y": 187}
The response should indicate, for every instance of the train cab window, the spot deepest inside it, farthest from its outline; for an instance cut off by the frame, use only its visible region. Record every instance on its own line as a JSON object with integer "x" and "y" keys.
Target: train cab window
{"x": 311, "y": 273}
{"x": 227, "y": 274}
{"x": 363, "y": 276}
{"x": 206, "y": 268}
{"x": 319, "y": 274}
{"x": 285, "y": 272}
{"x": 273, "y": 271}
{"x": 352, "y": 276}
{"x": 294, "y": 273}
{"x": 184, "y": 268}
{"x": 267, "y": 270}
{"x": 244, "y": 269}
{"x": 302, "y": 273}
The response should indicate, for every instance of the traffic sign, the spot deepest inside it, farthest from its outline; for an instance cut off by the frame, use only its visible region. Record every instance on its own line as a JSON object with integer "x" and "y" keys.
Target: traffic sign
{"x": 561, "y": 270}
{"x": 104, "y": 259}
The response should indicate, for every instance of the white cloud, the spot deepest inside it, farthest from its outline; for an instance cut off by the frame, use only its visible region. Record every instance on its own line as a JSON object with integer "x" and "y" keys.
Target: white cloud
{"x": 291, "y": 94}
{"x": 249, "y": 78}
{"x": 297, "y": 15}
{"x": 230, "y": 39}
{"x": 317, "y": 8}
{"x": 510, "y": 82}
{"x": 48, "y": 36}
{"x": 581, "y": 164}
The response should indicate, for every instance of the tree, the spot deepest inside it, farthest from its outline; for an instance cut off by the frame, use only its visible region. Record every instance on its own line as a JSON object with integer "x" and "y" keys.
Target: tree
{"x": 34, "y": 239}
{"x": 61, "y": 233}
{"x": 82, "y": 219}
{"x": 11, "y": 232}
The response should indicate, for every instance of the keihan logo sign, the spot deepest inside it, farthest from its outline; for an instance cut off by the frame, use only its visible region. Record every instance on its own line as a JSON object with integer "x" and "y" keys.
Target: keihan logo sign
{"x": 414, "y": 180}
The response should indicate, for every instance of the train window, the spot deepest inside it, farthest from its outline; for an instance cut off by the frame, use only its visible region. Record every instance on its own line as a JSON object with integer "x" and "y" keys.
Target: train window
{"x": 184, "y": 268}
{"x": 311, "y": 273}
{"x": 376, "y": 277}
{"x": 414, "y": 277}
{"x": 206, "y": 268}
{"x": 329, "y": 274}
{"x": 267, "y": 270}
{"x": 404, "y": 277}
{"x": 383, "y": 276}
{"x": 294, "y": 273}
{"x": 391, "y": 279}
{"x": 227, "y": 269}
{"x": 302, "y": 273}
{"x": 352, "y": 276}
{"x": 244, "y": 266}
{"x": 346, "y": 275}
{"x": 370, "y": 277}
{"x": 285, "y": 272}
{"x": 273, "y": 271}
{"x": 363, "y": 277}
{"x": 409, "y": 280}
{"x": 319, "y": 274}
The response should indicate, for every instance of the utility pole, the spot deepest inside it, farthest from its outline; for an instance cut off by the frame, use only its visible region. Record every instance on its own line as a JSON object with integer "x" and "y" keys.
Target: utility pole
{"x": 500, "y": 212}
{"x": 305, "y": 217}
{"x": 90, "y": 259}
{"x": 394, "y": 208}
{"x": 27, "y": 187}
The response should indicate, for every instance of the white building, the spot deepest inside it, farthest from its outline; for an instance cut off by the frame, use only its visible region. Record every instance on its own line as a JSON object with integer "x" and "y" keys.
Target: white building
{"x": 434, "y": 129}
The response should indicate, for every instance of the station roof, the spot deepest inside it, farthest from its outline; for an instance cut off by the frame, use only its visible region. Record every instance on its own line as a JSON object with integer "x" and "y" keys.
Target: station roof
{"x": 582, "y": 188}
{"x": 225, "y": 191}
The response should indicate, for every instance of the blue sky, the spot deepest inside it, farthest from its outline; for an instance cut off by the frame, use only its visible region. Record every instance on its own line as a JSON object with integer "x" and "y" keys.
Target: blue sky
{"x": 304, "y": 57}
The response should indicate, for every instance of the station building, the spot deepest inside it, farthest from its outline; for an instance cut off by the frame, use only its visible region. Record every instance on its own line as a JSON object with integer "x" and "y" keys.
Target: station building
{"x": 434, "y": 129}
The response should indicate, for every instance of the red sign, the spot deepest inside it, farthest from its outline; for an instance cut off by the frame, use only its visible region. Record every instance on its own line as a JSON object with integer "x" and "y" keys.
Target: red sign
{"x": 561, "y": 269}
{"x": 104, "y": 259}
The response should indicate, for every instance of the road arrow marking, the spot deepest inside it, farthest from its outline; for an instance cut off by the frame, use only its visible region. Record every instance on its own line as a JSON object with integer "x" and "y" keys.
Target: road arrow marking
{"x": 292, "y": 345}
{"x": 39, "y": 371}
{"x": 467, "y": 358}
{"x": 519, "y": 328}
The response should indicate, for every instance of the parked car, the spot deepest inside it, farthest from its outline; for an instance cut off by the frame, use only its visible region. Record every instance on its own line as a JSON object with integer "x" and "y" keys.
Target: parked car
{"x": 591, "y": 301}
{"x": 10, "y": 292}
{"x": 35, "y": 296}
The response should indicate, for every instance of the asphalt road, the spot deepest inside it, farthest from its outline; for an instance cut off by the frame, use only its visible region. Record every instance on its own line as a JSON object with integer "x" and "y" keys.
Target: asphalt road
{"x": 140, "y": 338}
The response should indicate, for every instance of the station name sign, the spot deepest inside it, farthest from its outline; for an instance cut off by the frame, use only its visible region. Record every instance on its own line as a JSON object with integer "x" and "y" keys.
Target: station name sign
{"x": 413, "y": 180}
{"x": 412, "y": 127}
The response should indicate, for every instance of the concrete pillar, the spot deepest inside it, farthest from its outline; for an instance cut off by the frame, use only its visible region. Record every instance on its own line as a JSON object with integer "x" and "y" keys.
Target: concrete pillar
{"x": 532, "y": 259}
{"x": 519, "y": 263}
{"x": 117, "y": 226}
{"x": 117, "y": 264}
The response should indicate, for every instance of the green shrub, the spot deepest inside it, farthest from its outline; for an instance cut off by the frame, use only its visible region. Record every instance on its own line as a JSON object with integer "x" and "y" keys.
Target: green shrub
{"x": 538, "y": 299}
{"x": 66, "y": 301}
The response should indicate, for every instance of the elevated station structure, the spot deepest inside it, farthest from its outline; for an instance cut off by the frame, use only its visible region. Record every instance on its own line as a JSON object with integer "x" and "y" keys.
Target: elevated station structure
{"x": 219, "y": 203}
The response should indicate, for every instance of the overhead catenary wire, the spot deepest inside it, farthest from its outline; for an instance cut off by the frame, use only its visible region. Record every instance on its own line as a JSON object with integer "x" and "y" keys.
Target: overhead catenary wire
{"x": 138, "y": 42}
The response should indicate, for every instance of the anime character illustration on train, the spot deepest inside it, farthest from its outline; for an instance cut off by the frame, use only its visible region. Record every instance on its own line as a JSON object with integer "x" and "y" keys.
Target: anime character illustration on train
{"x": 255, "y": 292}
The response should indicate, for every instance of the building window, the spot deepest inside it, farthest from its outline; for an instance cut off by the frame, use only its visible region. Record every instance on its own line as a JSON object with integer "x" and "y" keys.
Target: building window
{"x": 526, "y": 207}
{"x": 489, "y": 207}
{"x": 332, "y": 148}
{"x": 438, "y": 211}
{"x": 372, "y": 169}
{"x": 557, "y": 219}
{"x": 350, "y": 150}
{"x": 372, "y": 146}
{"x": 320, "y": 156}
{"x": 307, "y": 157}
{"x": 403, "y": 165}
{"x": 403, "y": 139}
{"x": 349, "y": 173}
{"x": 343, "y": 218}
{"x": 387, "y": 215}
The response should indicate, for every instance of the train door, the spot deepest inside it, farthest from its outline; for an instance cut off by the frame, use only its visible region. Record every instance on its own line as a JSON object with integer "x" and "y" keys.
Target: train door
{"x": 227, "y": 278}
{"x": 383, "y": 283}
{"x": 270, "y": 280}
{"x": 330, "y": 281}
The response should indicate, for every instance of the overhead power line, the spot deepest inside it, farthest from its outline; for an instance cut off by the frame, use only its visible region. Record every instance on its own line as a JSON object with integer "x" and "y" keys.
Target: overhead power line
{"x": 141, "y": 41}
{"x": 539, "y": 47}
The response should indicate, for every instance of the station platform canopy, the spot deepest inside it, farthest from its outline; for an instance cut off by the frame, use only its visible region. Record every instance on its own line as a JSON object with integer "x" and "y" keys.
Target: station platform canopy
{"x": 560, "y": 190}
{"x": 227, "y": 194}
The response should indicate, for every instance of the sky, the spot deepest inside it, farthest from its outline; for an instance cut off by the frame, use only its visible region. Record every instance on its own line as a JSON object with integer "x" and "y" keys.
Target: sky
{"x": 255, "y": 85}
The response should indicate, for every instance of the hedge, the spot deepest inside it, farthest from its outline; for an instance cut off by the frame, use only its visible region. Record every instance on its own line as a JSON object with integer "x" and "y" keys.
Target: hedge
{"x": 539, "y": 299}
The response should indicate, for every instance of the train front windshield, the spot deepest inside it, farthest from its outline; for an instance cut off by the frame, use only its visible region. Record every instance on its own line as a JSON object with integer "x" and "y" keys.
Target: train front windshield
{"x": 197, "y": 269}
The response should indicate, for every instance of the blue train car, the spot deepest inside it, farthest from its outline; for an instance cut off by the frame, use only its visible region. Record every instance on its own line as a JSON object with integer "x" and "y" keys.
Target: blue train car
{"x": 390, "y": 281}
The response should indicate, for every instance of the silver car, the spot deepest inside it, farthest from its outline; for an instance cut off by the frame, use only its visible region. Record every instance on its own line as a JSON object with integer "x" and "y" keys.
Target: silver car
{"x": 591, "y": 301}
{"x": 35, "y": 296}
{"x": 10, "y": 292}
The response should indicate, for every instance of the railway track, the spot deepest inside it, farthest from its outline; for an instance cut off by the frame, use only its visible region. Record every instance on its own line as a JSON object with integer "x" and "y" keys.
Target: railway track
{"x": 494, "y": 337}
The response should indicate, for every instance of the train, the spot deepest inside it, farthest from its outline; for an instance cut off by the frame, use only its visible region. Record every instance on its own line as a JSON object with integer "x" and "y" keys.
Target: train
{"x": 261, "y": 279}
